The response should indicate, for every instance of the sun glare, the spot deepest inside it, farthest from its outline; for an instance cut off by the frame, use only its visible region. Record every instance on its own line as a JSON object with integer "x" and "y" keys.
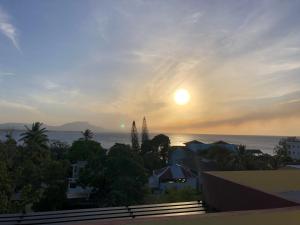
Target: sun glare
{"x": 181, "y": 97}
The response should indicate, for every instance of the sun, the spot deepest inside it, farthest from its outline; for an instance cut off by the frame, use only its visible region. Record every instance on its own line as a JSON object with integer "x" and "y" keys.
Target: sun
{"x": 181, "y": 96}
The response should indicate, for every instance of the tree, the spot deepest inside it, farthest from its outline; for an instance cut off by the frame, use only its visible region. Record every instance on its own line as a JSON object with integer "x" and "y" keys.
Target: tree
{"x": 134, "y": 138}
{"x": 241, "y": 159}
{"x": 152, "y": 161}
{"x": 145, "y": 133}
{"x": 117, "y": 178}
{"x": 127, "y": 176}
{"x": 221, "y": 156}
{"x": 82, "y": 150}
{"x": 6, "y": 180}
{"x": 87, "y": 135}
{"x": 59, "y": 150}
{"x": 281, "y": 151}
{"x": 54, "y": 186}
{"x": 10, "y": 139}
{"x": 36, "y": 135}
{"x": 161, "y": 145}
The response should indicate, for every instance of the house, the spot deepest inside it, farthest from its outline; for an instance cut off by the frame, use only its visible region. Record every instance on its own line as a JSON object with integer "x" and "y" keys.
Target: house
{"x": 197, "y": 146}
{"x": 173, "y": 176}
{"x": 223, "y": 144}
{"x": 74, "y": 190}
{"x": 178, "y": 154}
{"x": 293, "y": 147}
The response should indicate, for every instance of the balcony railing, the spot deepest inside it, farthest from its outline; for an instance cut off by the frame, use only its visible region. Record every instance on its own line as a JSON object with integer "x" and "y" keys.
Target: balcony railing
{"x": 111, "y": 213}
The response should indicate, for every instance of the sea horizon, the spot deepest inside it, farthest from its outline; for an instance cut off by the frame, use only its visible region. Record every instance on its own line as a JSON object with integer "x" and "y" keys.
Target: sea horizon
{"x": 266, "y": 143}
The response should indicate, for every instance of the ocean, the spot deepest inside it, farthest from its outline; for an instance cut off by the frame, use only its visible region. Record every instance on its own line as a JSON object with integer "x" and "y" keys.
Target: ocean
{"x": 264, "y": 143}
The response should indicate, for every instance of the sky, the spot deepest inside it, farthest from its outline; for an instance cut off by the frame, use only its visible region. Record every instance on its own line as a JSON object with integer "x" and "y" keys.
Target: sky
{"x": 111, "y": 62}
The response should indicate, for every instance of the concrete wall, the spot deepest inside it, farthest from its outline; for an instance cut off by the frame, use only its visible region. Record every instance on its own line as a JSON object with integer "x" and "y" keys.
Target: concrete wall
{"x": 224, "y": 195}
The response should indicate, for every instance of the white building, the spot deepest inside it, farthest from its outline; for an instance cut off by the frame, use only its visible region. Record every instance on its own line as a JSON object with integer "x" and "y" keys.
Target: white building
{"x": 293, "y": 146}
{"x": 173, "y": 176}
{"x": 74, "y": 189}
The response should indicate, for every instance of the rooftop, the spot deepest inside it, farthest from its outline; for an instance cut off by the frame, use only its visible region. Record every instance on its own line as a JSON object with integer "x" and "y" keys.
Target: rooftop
{"x": 221, "y": 143}
{"x": 273, "y": 181}
{"x": 193, "y": 142}
{"x": 278, "y": 182}
{"x": 173, "y": 172}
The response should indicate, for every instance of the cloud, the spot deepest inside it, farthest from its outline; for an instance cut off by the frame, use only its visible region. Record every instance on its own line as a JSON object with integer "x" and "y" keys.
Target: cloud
{"x": 263, "y": 110}
{"x": 6, "y": 74}
{"x": 8, "y": 29}
{"x": 17, "y": 106}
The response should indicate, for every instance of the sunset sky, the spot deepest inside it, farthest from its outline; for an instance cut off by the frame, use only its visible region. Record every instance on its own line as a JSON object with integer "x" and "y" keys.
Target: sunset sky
{"x": 111, "y": 62}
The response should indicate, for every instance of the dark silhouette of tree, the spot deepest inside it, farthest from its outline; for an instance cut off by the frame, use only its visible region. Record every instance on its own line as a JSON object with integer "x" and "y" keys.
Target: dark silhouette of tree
{"x": 87, "y": 134}
{"x": 134, "y": 138}
{"x": 82, "y": 150}
{"x": 127, "y": 176}
{"x": 9, "y": 138}
{"x": 59, "y": 150}
{"x": 161, "y": 145}
{"x": 145, "y": 133}
{"x": 36, "y": 135}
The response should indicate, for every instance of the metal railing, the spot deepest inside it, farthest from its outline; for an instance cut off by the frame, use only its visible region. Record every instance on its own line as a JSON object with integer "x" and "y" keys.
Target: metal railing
{"x": 125, "y": 212}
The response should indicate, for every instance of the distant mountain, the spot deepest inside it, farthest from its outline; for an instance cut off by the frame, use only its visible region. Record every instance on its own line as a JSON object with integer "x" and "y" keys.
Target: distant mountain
{"x": 12, "y": 126}
{"x": 73, "y": 126}
{"x": 76, "y": 126}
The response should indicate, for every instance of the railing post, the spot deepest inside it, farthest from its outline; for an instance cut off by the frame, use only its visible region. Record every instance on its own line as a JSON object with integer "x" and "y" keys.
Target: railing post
{"x": 21, "y": 217}
{"x": 130, "y": 212}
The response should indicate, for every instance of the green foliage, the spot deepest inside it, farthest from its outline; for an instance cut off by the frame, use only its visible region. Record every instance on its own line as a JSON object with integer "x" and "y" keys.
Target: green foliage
{"x": 145, "y": 133}
{"x": 55, "y": 186}
{"x": 29, "y": 176}
{"x": 59, "y": 150}
{"x": 174, "y": 195}
{"x": 152, "y": 161}
{"x": 82, "y": 150}
{"x": 239, "y": 159}
{"x": 93, "y": 174}
{"x": 126, "y": 175}
{"x": 9, "y": 138}
{"x": 134, "y": 138}
{"x": 117, "y": 179}
{"x": 221, "y": 156}
{"x": 87, "y": 135}
{"x": 281, "y": 151}
{"x": 36, "y": 135}
{"x": 155, "y": 152}
{"x": 161, "y": 145}
{"x": 6, "y": 186}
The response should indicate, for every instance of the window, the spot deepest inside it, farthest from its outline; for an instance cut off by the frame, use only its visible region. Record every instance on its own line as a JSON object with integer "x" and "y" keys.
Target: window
{"x": 181, "y": 180}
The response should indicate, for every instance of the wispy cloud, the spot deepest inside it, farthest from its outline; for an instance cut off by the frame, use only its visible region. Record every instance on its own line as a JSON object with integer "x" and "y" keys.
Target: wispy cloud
{"x": 8, "y": 29}
{"x": 17, "y": 106}
{"x": 6, "y": 74}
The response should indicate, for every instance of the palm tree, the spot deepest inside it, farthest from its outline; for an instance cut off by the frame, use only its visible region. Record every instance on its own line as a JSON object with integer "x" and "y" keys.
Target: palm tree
{"x": 87, "y": 134}
{"x": 36, "y": 135}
